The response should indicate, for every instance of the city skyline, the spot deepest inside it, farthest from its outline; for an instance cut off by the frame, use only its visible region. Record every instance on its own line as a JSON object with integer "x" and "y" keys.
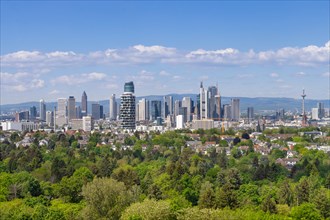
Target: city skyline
{"x": 252, "y": 49}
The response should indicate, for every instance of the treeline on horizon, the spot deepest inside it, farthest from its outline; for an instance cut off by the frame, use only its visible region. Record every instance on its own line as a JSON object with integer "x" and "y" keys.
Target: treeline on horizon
{"x": 167, "y": 180}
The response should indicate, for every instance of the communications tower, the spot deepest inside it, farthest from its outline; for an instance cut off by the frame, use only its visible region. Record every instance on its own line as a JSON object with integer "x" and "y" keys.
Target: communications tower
{"x": 304, "y": 118}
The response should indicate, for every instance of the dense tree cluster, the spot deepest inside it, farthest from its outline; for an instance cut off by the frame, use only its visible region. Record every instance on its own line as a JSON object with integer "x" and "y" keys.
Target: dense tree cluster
{"x": 157, "y": 176}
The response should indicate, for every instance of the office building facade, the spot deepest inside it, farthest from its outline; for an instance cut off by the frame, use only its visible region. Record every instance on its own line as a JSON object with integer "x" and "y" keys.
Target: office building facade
{"x": 127, "y": 107}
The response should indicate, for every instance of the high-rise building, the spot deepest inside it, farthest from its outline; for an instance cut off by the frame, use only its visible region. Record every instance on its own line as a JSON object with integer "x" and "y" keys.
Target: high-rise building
{"x": 177, "y": 105}
{"x": 61, "y": 114}
{"x": 155, "y": 109}
{"x": 235, "y": 111}
{"x": 168, "y": 106}
{"x": 250, "y": 114}
{"x": 217, "y": 115}
{"x": 183, "y": 112}
{"x": 198, "y": 106}
{"x": 113, "y": 107}
{"x": 84, "y": 104}
{"x": 96, "y": 111}
{"x": 101, "y": 112}
{"x": 49, "y": 118}
{"x": 42, "y": 110}
{"x": 321, "y": 111}
{"x": 127, "y": 107}
{"x": 33, "y": 113}
{"x": 71, "y": 108}
{"x": 187, "y": 103}
{"x": 78, "y": 112}
{"x": 213, "y": 91}
{"x": 204, "y": 96}
{"x": 143, "y": 110}
{"x": 227, "y": 112}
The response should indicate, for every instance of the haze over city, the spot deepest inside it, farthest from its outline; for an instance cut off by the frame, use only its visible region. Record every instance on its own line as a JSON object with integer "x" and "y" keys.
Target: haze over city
{"x": 252, "y": 49}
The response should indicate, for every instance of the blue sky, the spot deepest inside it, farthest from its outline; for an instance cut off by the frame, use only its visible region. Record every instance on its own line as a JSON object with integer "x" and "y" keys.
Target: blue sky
{"x": 251, "y": 48}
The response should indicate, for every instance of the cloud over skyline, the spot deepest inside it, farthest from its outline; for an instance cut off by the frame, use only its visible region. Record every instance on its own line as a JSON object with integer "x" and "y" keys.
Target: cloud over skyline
{"x": 140, "y": 54}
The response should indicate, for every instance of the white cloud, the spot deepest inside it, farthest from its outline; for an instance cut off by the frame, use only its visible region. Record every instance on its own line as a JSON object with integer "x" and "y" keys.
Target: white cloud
{"x": 176, "y": 77}
{"x": 300, "y": 74}
{"x": 154, "y": 50}
{"x": 54, "y": 92}
{"x": 139, "y": 54}
{"x": 274, "y": 75}
{"x": 20, "y": 81}
{"x": 78, "y": 79}
{"x": 19, "y": 88}
{"x": 37, "y": 83}
{"x": 144, "y": 76}
{"x": 95, "y": 76}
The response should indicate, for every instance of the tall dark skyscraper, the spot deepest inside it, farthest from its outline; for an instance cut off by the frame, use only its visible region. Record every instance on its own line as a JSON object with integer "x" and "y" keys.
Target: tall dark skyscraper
{"x": 127, "y": 107}
{"x": 250, "y": 114}
{"x": 168, "y": 106}
{"x": 213, "y": 91}
{"x": 155, "y": 109}
{"x": 84, "y": 104}
{"x": 101, "y": 112}
{"x": 96, "y": 111}
{"x": 33, "y": 113}
{"x": 71, "y": 108}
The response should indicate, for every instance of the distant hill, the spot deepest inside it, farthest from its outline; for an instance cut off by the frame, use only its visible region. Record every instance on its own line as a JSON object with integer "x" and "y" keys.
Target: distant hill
{"x": 259, "y": 103}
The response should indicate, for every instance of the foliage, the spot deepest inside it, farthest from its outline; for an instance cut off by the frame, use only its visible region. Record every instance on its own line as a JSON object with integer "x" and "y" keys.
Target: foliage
{"x": 159, "y": 173}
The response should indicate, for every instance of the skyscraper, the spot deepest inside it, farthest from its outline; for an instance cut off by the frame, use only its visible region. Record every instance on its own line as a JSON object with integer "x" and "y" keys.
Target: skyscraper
{"x": 155, "y": 109}
{"x": 250, "y": 114}
{"x": 217, "y": 115}
{"x": 49, "y": 118}
{"x": 321, "y": 111}
{"x": 113, "y": 107}
{"x": 213, "y": 91}
{"x": 101, "y": 112}
{"x": 61, "y": 114}
{"x": 187, "y": 103}
{"x": 84, "y": 104}
{"x": 227, "y": 112}
{"x": 33, "y": 113}
{"x": 143, "y": 110}
{"x": 235, "y": 111}
{"x": 204, "y": 102}
{"x": 42, "y": 110}
{"x": 78, "y": 112}
{"x": 96, "y": 111}
{"x": 71, "y": 108}
{"x": 183, "y": 112}
{"x": 168, "y": 106}
{"x": 177, "y": 105}
{"x": 127, "y": 107}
